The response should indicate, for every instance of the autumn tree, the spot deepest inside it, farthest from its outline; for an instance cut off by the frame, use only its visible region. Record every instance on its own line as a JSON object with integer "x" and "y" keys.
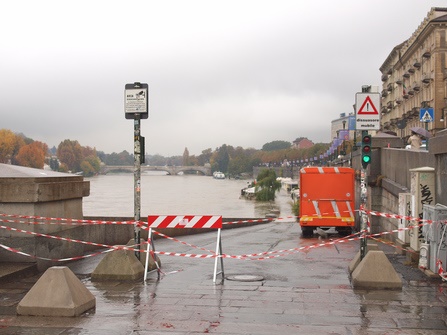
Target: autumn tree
{"x": 204, "y": 157}
{"x": 77, "y": 158}
{"x": 87, "y": 151}
{"x": 122, "y": 158}
{"x": 10, "y": 145}
{"x": 70, "y": 153}
{"x": 276, "y": 145}
{"x": 90, "y": 165}
{"x": 32, "y": 155}
{"x": 241, "y": 160}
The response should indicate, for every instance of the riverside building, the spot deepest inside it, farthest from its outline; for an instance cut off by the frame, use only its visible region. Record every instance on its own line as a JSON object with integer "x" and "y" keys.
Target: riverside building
{"x": 414, "y": 76}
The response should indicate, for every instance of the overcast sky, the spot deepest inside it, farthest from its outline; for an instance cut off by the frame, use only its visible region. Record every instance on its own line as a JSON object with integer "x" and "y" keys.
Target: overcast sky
{"x": 241, "y": 73}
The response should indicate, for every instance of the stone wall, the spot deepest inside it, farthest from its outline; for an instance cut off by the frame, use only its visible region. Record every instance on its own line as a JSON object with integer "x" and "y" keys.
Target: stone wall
{"x": 34, "y": 192}
{"x": 391, "y": 175}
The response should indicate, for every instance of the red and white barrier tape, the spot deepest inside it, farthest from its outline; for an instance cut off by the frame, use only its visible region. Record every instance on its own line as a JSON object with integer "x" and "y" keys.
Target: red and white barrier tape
{"x": 60, "y": 221}
{"x": 390, "y": 244}
{"x": 396, "y": 216}
{"x": 75, "y": 258}
{"x": 109, "y": 247}
{"x": 64, "y": 238}
{"x": 441, "y": 271}
{"x": 256, "y": 256}
{"x": 63, "y": 221}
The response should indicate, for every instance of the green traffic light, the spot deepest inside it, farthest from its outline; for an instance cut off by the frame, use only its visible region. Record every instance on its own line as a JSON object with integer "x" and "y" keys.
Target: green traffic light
{"x": 366, "y": 149}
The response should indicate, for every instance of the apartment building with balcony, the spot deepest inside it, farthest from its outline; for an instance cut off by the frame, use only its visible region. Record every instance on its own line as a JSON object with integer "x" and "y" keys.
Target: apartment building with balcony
{"x": 414, "y": 76}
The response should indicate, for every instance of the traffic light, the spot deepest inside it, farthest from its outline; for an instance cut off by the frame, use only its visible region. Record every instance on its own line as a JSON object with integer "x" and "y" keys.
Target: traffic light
{"x": 366, "y": 148}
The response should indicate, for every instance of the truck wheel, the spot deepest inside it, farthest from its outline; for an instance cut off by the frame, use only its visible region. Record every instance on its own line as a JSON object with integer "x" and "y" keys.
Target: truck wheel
{"x": 307, "y": 231}
{"x": 345, "y": 231}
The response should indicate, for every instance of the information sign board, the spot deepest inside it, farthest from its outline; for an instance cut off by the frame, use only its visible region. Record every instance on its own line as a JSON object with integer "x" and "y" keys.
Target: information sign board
{"x": 136, "y": 100}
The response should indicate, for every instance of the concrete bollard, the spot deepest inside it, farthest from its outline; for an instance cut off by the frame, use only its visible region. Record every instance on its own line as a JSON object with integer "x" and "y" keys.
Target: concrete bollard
{"x": 118, "y": 265}
{"x": 58, "y": 292}
{"x": 376, "y": 272}
{"x": 356, "y": 260}
{"x": 143, "y": 255}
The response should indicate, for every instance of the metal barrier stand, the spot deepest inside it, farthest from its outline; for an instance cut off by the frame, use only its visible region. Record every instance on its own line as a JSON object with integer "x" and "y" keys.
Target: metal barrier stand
{"x": 218, "y": 256}
{"x": 150, "y": 252}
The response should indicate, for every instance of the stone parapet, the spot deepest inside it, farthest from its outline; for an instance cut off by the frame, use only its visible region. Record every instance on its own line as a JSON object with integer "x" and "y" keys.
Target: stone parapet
{"x": 41, "y": 193}
{"x": 438, "y": 144}
{"x": 26, "y": 185}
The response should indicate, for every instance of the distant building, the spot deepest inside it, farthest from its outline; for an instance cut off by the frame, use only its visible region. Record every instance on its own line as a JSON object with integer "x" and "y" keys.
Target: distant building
{"x": 414, "y": 76}
{"x": 341, "y": 123}
{"x": 302, "y": 143}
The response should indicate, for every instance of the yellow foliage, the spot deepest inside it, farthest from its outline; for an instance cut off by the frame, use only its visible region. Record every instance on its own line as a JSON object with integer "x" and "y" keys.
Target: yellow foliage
{"x": 10, "y": 145}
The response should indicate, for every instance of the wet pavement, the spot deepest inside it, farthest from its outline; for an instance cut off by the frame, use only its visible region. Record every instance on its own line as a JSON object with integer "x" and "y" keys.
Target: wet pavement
{"x": 295, "y": 292}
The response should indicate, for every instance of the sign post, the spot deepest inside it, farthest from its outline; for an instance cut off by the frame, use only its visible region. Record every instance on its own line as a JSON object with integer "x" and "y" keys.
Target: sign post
{"x": 136, "y": 108}
{"x": 426, "y": 115}
{"x": 367, "y": 117}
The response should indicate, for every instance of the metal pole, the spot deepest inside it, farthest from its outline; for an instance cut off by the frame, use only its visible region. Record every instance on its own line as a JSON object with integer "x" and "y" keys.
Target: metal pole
{"x": 137, "y": 182}
{"x": 363, "y": 218}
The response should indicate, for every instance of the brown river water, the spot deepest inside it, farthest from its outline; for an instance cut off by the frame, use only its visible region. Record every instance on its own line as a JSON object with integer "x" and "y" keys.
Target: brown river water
{"x": 113, "y": 195}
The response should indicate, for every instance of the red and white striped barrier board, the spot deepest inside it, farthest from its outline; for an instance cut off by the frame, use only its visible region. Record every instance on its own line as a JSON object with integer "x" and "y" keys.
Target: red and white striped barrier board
{"x": 187, "y": 221}
{"x": 184, "y": 221}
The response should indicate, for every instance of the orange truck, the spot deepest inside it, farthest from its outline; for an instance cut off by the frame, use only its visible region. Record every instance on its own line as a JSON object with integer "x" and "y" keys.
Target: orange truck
{"x": 327, "y": 199}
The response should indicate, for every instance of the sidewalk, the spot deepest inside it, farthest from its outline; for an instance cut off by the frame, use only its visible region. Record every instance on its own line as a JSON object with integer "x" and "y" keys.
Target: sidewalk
{"x": 299, "y": 293}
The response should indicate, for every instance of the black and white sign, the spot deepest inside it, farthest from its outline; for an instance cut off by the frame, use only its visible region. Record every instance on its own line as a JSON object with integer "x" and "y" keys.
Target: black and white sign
{"x": 136, "y": 100}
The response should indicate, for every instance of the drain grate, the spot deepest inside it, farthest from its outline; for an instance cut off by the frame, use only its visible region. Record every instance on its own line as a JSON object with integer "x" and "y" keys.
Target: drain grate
{"x": 245, "y": 278}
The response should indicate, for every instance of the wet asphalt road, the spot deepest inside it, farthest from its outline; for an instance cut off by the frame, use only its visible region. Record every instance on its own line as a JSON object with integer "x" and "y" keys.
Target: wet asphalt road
{"x": 300, "y": 293}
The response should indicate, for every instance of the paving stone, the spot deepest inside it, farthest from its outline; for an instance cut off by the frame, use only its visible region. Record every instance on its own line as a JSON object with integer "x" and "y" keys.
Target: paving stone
{"x": 300, "y": 294}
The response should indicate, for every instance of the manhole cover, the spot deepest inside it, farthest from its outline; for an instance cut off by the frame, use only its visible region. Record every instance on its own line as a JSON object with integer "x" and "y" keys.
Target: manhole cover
{"x": 245, "y": 278}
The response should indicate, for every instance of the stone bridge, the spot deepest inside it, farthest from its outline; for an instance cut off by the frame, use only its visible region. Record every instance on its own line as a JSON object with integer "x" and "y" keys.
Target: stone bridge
{"x": 172, "y": 170}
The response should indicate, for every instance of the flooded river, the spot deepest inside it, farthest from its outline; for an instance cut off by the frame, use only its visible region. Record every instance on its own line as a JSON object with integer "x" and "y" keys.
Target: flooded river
{"x": 113, "y": 195}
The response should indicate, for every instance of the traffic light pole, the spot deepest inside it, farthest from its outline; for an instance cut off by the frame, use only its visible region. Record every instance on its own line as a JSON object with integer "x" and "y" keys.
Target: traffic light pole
{"x": 363, "y": 218}
{"x": 367, "y": 116}
{"x": 366, "y": 160}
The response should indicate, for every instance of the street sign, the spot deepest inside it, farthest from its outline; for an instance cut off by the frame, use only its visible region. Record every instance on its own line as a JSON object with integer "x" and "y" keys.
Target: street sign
{"x": 367, "y": 111}
{"x": 351, "y": 122}
{"x": 426, "y": 114}
{"x": 136, "y": 100}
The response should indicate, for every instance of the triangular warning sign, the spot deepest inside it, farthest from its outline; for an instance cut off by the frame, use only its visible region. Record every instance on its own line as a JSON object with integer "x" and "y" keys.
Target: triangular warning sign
{"x": 367, "y": 107}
